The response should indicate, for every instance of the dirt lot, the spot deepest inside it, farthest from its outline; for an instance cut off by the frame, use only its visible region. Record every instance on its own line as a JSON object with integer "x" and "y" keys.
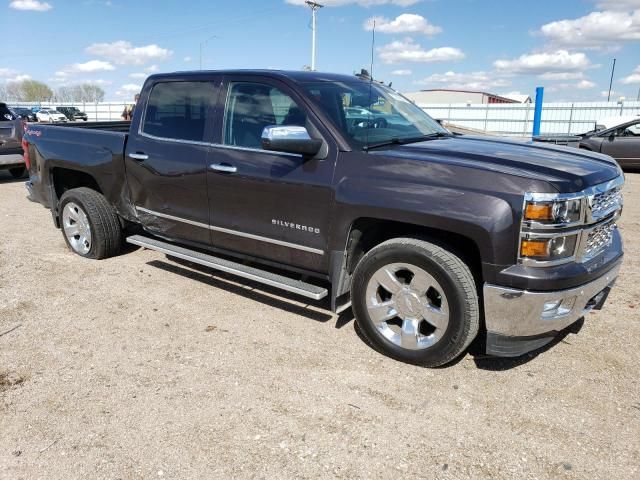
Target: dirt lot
{"x": 137, "y": 367}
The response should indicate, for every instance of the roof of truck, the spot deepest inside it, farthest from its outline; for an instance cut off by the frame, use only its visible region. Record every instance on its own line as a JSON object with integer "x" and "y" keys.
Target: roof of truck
{"x": 295, "y": 75}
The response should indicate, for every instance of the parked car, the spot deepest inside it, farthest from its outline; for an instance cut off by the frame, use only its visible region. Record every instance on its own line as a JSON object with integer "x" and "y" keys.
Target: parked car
{"x": 622, "y": 142}
{"x": 50, "y": 115}
{"x": 73, "y": 113}
{"x": 11, "y": 131}
{"x": 24, "y": 113}
{"x": 431, "y": 238}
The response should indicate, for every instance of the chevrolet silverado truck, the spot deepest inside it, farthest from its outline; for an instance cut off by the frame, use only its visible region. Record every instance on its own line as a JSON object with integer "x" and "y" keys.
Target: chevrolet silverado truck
{"x": 433, "y": 239}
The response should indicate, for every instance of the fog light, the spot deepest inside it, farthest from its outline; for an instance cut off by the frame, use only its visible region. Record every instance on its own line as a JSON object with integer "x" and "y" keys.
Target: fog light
{"x": 557, "y": 308}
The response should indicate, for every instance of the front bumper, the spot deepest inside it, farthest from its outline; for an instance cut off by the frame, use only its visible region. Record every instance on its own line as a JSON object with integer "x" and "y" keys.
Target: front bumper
{"x": 519, "y": 321}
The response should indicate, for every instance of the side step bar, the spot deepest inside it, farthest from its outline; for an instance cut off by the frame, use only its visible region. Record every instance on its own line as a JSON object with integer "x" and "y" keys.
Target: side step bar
{"x": 268, "y": 278}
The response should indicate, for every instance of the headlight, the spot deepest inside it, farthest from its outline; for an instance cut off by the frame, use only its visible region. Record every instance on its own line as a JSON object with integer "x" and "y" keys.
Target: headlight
{"x": 549, "y": 249}
{"x": 554, "y": 212}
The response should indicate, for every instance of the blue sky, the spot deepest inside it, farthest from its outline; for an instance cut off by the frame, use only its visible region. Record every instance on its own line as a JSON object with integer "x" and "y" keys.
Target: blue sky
{"x": 495, "y": 45}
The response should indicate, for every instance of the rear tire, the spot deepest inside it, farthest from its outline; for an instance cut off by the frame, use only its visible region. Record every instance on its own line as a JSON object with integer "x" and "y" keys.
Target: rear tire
{"x": 90, "y": 225}
{"x": 18, "y": 172}
{"x": 415, "y": 301}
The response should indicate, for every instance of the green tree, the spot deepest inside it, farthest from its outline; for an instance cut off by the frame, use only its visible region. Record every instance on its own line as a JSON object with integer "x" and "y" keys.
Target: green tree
{"x": 34, "y": 91}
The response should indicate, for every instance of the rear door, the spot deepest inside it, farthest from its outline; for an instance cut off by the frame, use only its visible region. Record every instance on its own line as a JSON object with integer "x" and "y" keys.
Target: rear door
{"x": 272, "y": 205}
{"x": 624, "y": 146}
{"x": 166, "y": 159}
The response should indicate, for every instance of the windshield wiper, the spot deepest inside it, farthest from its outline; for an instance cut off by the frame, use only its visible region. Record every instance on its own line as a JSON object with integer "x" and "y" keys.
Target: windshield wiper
{"x": 405, "y": 141}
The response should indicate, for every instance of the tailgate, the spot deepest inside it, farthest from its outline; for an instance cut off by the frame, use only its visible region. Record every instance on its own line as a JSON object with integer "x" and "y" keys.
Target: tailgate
{"x": 10, "y": 133}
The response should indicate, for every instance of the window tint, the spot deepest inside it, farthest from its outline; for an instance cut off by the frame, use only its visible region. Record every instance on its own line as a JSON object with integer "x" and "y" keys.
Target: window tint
{"x": 178, "y": 110}
{"x": 253, "y": 106}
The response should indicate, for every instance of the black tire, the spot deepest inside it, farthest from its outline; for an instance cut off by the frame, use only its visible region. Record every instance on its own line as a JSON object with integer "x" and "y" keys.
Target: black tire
{"x": 457, "y": 282}
{"x": 106, "y": 231}
{"x": 18, "y": 172}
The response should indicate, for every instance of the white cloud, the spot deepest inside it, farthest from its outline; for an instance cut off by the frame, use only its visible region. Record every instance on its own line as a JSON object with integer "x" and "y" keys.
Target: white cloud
{"x": 405, "y": 23}
{"x": 152, "y": 69}
{"x": 585, "y": 85}
{"x": 124, "y": 53}
{"x": 614, "y": 94}
{"x": 362, "y": 3}
{"x": 19, "y": 78}
{"x": 90, "y": 67}
{"x": 138, "y": 75}
{"x": 128, "y": 90}
{"x": 595, "y": 30}
{"x": 559, "y": 61}
{"x": 634, "y": 78}
{"x": 186, "y": 59}
{"x": 402, "y": 72}
{"x": 7, "y": 72}
{"x": 466, "y": 81}
{"x": 409, "y": 51}
{"x": 32, "y": 5}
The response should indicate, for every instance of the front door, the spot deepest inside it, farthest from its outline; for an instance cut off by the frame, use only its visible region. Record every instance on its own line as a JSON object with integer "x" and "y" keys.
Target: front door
{"x": 272, "y": 205}
{"x": 166, "y": 161}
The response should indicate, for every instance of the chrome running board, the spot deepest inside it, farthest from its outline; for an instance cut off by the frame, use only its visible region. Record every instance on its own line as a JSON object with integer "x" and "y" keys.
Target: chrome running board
{"x": 268, "y": 278}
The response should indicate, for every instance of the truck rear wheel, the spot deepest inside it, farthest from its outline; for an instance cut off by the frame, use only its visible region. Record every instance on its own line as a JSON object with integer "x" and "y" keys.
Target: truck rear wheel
{"x": 90, "y": 225}
{"x": 415, "y": 301}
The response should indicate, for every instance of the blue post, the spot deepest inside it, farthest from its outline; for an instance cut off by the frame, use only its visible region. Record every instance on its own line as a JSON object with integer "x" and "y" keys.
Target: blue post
{"x": 537, "y": 114}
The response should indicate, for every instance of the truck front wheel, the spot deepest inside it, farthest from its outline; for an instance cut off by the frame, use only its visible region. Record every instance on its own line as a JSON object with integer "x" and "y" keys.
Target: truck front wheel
{"x": 415, "y": 301}
{"x": 90, "y": 225}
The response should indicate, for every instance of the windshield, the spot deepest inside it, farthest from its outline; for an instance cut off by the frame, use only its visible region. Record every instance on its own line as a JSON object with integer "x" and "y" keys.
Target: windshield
{"x": 368, "y": 113}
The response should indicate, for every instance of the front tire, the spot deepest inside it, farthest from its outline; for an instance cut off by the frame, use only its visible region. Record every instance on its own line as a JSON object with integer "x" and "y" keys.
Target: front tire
{"x": 90, "y": 225}
{"x": 415, "y": 301}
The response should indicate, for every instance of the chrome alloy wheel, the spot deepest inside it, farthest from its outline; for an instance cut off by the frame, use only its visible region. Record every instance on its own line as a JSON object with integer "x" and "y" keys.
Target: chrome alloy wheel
{"x": 77, "y": 228}
{"x": 407, "y": 306}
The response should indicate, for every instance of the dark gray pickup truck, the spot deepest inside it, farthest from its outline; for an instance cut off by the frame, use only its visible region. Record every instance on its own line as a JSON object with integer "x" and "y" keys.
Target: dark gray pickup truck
{"x": 432, "y": 238}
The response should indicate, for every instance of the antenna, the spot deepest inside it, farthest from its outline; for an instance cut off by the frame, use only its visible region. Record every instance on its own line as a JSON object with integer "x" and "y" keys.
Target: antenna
{"x": 314, "y": 8}
{"x": 373, "y": 42}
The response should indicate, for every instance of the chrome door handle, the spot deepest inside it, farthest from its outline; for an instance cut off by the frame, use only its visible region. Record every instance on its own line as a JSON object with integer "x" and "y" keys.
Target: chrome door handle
{"x": 223, "y": 167}
{"x": 139, "y": 156}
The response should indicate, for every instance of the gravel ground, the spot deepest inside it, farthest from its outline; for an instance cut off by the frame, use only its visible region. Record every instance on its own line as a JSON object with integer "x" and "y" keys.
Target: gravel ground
{"x": 139, "y": 367}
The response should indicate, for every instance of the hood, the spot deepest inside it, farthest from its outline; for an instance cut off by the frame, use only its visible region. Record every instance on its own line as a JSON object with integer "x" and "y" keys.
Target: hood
{"x": 566, "y": 169}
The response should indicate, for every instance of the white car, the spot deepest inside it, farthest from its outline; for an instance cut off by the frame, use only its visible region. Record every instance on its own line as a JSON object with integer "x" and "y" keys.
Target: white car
{"x": 50, "y": 115}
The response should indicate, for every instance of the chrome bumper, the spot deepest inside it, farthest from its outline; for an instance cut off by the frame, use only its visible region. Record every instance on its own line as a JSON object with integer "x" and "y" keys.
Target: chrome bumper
{"x": 521, "y": 313}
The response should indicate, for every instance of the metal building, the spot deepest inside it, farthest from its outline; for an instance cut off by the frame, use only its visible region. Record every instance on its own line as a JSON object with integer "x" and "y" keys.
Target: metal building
{"x": 441, "y": 95}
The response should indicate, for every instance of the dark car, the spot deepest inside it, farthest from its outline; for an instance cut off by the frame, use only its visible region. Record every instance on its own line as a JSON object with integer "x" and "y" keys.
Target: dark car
{"x": 73, "y": 113}
{"x": 11, "y": 155}
{"x": 24, "y": 113}
{"x": 621, "y": 142}
{"x": 431, "y": 238}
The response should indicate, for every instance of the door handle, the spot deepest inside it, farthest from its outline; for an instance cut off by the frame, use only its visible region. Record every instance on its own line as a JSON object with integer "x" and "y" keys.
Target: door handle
{"x": 223, "y": 167}
{"x": 139, "y": 156}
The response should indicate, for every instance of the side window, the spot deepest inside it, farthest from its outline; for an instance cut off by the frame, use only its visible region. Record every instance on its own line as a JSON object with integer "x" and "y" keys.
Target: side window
{"x": 178, "y": 110}
{"x": 253, "y": 106}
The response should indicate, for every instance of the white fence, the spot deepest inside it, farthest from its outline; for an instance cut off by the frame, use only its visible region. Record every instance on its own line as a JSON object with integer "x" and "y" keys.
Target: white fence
{"x": 516, "y": 119}
{"x": 503, "y": 119}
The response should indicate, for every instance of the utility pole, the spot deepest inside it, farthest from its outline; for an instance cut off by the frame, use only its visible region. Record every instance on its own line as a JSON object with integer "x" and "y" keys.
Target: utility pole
{"x": 613, "y": 69}
{"x": 314, "y": 8}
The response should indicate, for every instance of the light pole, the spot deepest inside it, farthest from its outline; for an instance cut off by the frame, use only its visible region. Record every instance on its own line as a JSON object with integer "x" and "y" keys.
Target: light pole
{"x": 204, "y": 43}
{"x": 314, "y": 8}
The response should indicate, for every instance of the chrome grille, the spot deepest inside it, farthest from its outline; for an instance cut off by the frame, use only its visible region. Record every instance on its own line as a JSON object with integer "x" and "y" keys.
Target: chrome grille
{"x": 605, "y": 203}
{"x": 598, "y": 239}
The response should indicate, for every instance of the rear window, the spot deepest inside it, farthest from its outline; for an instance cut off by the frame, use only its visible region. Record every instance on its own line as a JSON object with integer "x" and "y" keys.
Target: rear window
{"x": 5, "y": 113}
{"x": 178, "y": 110}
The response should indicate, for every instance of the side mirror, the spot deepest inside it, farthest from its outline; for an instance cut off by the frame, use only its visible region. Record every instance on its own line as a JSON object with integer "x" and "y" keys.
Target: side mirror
{"x": 290, "y": 139}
